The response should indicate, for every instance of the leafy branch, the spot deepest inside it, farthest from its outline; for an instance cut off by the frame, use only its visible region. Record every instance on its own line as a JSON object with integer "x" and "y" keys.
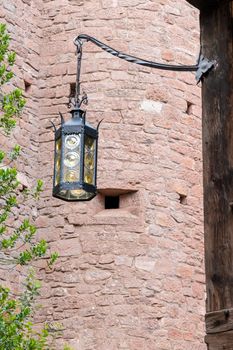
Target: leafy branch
{"x": 18, "y": 244}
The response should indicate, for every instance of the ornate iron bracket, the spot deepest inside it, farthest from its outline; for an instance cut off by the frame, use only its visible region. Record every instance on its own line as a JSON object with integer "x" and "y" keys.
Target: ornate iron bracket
{"x": 204, "y": 66}
{"x": 201, "y": 68}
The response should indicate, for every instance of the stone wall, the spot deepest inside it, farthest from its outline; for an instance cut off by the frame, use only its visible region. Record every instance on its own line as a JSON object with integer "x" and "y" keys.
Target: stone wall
{"x": 131, "y": 277}
{"x": 22, "y": 17}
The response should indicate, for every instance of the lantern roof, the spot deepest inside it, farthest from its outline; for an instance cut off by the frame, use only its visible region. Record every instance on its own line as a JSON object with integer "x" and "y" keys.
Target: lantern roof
{"x": 78, "y": 118}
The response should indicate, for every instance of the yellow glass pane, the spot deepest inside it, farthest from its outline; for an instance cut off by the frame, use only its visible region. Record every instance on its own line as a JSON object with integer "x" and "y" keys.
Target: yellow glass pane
{"x": 89, "y": 144}
{"x": 57, "y": 179}
{"x": 71, "y": 176}
{"x": 89, "y": 160}
{"x": 58, "y": 145}
{"x": 88, "y": 176}
{"x": 57, "y": 169}
{"x": 71, "y": 159}
{"x": 77, "y": 193}
{"x": 58, "y": 163}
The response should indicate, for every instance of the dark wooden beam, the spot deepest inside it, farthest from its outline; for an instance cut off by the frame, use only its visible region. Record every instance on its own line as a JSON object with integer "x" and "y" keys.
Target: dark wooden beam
{"x": 217, "y": 94}
{"x": 196, "y": 3}
{"x": 200, "y": 4}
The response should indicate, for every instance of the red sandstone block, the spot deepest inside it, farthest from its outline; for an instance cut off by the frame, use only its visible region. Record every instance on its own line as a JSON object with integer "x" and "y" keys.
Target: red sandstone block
{"x": 96, "y": 275}
{"x": 145, "y": 263}
{"x": 185, "y": 271}
{"x": 106, "y": 259}
{"x": 68, "y": 247}
{"x": 119, "y": 75}
{"x": 167, "y": 55}
{"x": 198, "y": 290}
{"x": 175, "y": 334}
{"x": 123, "y": 260}
{"x": 42, "y": 221}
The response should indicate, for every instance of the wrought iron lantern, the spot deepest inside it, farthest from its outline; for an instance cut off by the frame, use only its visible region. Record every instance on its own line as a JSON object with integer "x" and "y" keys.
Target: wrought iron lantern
{"x": 75, "y": 158}
{"x": 75, "y": 165}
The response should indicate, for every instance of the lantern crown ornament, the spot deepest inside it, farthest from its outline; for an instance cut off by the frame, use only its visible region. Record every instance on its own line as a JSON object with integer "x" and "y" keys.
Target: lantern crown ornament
{"x": 75, "y": 155}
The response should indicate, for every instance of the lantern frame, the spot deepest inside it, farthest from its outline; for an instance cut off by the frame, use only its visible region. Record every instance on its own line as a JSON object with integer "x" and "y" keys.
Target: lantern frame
{"x": 62, "y": 188}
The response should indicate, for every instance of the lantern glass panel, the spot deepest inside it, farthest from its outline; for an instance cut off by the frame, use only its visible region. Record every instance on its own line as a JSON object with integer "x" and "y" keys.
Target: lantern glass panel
{"x": 89, "y": 160}
{"x": 72, "y": 158}
{"x": 57, "y": 161}
{"x": 78, "y": 194}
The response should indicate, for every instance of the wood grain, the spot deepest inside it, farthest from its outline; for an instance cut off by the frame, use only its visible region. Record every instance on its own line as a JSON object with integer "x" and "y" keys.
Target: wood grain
{"x": 219, "y": 321}
{"x": 220, "y": 341}
{"x": 217, "y": 94}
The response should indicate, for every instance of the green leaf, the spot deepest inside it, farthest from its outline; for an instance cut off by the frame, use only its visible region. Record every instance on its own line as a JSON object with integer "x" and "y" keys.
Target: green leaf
{"x": 53, "y": 258}
{"x": 15, "y": 152}
{"x": 16, "y": 311}
{"x": 2, "y": 156}
{"x": 38, "y": 189}
{"x": 11, "y": 58}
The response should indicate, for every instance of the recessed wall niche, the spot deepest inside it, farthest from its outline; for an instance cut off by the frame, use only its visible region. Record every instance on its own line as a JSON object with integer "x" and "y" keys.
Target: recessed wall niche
{"x": 27, "y": 86}
{"x": 118, "y": 206}
{"x": 112, "y": 202}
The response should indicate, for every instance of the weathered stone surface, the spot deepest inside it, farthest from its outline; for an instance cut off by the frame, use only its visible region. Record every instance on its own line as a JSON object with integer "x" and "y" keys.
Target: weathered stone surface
{"x": 124, "y": 260}
{"x": 68, "y": 247}
{"x": 96, "y": 275}
{"x": 128, "y": 278}
{"x": 151, "y": 106}
{"x": 144, "y": 263}
{"x": 106, "y": 259}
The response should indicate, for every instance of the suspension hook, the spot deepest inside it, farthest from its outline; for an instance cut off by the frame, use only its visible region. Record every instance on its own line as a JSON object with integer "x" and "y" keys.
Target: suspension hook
{"x": 78, "y": 43}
